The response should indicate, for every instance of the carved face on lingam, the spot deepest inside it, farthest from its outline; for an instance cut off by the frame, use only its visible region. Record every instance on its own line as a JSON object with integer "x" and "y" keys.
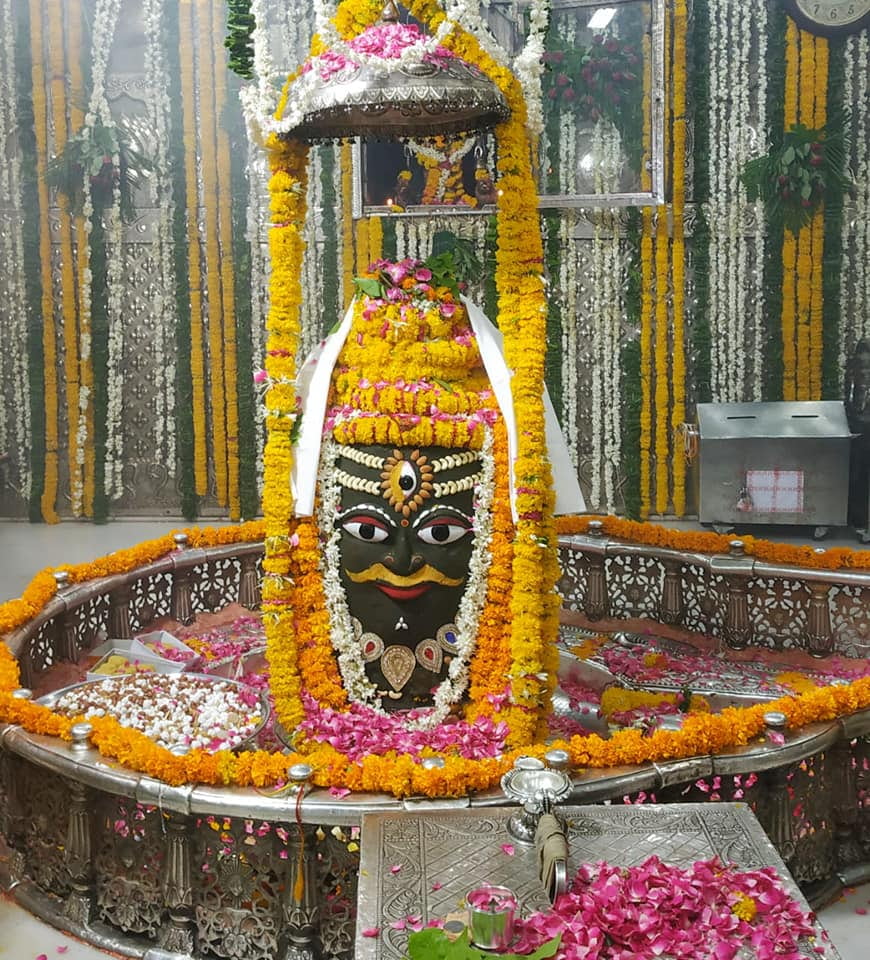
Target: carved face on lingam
{"x": 405, "y": 490}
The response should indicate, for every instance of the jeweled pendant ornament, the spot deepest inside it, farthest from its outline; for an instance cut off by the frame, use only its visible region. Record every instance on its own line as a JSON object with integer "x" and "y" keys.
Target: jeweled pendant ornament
{"x": 392, "y": 82}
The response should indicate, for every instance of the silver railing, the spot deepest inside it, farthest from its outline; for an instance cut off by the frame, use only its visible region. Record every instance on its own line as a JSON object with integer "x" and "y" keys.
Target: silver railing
{"x": 150, "y": 870}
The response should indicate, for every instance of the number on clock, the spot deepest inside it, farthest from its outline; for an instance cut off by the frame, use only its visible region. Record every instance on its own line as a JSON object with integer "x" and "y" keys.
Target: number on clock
{"x": 830, "y": 17}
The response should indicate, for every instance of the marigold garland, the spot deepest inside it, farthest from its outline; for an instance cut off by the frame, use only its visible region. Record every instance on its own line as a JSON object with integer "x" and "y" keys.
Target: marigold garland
{"x": 662, "y": 342}
{"x": 57, "y": 80}
{"x": 209, "y": 122}
{"x": 653, "y": 535}
{"x": 817, "y": 232}
{"x": 789, "y": 243}
{"x": 48, "y": 500}
{"x": 197, "y": 356}
{"x": 227, "y": 274}
{"x": 678, "y": 252}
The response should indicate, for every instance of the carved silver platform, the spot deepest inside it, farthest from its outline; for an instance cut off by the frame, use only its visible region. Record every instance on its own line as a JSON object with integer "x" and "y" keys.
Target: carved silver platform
{"x": 462, "y": 850}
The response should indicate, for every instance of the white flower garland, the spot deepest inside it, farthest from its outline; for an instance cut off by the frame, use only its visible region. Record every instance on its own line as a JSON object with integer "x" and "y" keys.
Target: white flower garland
{"x": 359, "y": 688}
{"x": 255, "y": 234}
{"x": 442, "y": 158}
{"x": 14, "y": 360}
{"x": 862, "y": 177}
{"x": 528, "y": 66}
{"x": 729, "y": 148}
{"x": 158, "y": 112}
{"x": 105, "y": 21}
{"x": 846, "y": 294}
{"x": 760, "y": 211}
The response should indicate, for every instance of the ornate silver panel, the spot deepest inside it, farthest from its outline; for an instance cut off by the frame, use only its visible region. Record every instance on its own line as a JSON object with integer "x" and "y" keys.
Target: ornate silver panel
{"x": 705, "y": 598}
{"x": 89, "y": 620}
{"x": 634, "y": 584}
{"x": 810, "y": 784}
{"x": 572, "y": 584}
{"x": 150, "y": 599}
{"x": 237, "y": 897}
{"x": 778, "y": 611}
{"x": 44, "y": 815}
{"x": 463, "y": 849}
{"x": 129, "y": 863}
{"x": 217, "y": 585}
{"x": 850, "y": 616}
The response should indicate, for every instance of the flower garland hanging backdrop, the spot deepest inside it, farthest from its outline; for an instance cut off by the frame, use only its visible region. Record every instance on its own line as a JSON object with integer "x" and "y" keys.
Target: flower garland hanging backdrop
{"x": 769, "y": 313}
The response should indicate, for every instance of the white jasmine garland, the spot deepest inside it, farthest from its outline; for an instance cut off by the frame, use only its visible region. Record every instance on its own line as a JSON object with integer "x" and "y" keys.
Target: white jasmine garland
{"x": 846, "y": 296}
{"x": 760, "y": 212}
{"x": 357, "y": 685}
{"x": 862, "y": 212}
{"x": 571, "y": 333}
{"x": 105, "y": 23}
{"x": 442, "y": 158}
{"x": 529, "y": 65}
{"x": 16, "y": 422}
{"x": 158, "y": 111}
{"x": 114, "y": 282}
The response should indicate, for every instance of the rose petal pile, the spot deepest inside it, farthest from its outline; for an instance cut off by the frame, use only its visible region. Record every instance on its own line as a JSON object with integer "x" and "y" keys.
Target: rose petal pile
{"x": 659, "y": 910}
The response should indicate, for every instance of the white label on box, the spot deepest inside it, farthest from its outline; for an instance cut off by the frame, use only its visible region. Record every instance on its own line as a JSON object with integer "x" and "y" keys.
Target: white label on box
{"x": 775, "y": 491}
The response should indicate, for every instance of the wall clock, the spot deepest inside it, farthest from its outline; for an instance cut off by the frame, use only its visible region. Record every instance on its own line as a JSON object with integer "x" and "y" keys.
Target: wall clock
{"x": 829, "y": 18}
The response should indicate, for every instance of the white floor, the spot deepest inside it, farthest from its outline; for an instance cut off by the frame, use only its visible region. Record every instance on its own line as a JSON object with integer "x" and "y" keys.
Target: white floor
{"x": 25, "y": 549}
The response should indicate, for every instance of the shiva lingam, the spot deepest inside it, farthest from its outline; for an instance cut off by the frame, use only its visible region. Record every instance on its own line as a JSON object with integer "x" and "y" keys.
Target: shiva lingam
{"x": 539, "y": 788}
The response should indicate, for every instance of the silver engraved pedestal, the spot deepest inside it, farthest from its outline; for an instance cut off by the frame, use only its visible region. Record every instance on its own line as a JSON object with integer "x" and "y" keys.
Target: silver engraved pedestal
{"x": 458, "y": 850}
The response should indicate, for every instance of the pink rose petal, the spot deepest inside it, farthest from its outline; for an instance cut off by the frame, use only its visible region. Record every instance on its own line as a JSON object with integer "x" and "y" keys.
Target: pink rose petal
{"x": 436, "y": 886}
{"x": 339, "y": 792}
{"x": 396, "y": 868}
{"x": 368, "y": 932}
{"x": 508, "y": 848}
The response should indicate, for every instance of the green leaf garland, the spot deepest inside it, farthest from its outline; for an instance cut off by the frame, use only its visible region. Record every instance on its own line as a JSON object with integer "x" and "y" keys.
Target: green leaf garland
{"x": 32, "y": 264}
{"x": 239, "y": 40}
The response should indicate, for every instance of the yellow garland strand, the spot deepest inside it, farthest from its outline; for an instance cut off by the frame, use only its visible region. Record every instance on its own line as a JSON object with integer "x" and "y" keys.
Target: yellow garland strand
{"x": 362, "y": 245}
{"x": 347, "y": 248}
{"x": 646, "y": 268}
{"x": 376, "y": 239}
{"x": 806, "y": 106}
{"x": 287, "y": 189}
{"x": 57, "y": 65}
{"x": 817, "y": 230}
{"x": 789, "y": 242}
{"x": 194, "y": 254}
{"x": 678, "y": 252}
{"x": 662, "y": 346}
{"x": 211, "y": 201}
{"x": 224, "y": 200}
{"x": 49, "y": 347}
{"x": 86, "y": 368}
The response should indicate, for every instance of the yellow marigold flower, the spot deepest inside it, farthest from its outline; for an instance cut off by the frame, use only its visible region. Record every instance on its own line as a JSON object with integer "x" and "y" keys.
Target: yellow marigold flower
{"x": 744, "y": 908}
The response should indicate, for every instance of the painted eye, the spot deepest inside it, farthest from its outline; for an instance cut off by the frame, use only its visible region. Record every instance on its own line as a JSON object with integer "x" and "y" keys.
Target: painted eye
{"x": 441, "y": 532}
{"x": 366, "y": 528}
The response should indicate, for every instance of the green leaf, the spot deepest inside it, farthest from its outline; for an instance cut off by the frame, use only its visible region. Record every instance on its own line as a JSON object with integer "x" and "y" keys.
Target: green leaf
{"x": 788, "y": 155}
{"x": 429, "y": 944}
{"x": 369, "y": 286}
{"x": 434, "y": 944}
{"x": 806, "y": 191}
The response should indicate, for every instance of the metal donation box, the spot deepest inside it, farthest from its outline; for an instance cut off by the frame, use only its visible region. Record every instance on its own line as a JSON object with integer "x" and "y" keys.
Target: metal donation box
{"x": 773, "y": 463}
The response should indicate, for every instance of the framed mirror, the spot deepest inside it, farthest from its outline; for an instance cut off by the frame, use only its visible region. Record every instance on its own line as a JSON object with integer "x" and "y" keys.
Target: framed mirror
{"x": 603, "y": 106}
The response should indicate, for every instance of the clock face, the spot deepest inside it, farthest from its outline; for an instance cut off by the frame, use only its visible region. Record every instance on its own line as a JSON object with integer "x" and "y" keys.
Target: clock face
{"x": 830, "y": 17}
